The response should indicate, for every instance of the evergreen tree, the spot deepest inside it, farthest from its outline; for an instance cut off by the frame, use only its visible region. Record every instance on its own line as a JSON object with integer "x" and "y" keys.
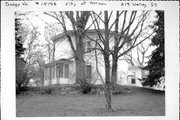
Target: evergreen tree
{"x": 155, "y": 64}
{"x": 20, "y": 63}
{"x": 18, "y": 38}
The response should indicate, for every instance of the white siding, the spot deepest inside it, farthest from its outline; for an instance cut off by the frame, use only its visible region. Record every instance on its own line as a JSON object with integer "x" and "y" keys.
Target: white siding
{"x": 62, "y": 49}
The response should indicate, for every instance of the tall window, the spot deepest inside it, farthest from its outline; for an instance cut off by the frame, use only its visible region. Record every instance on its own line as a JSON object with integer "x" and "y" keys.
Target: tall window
{"x": 66, "y": 71}
{"x": 57, "y": 70}
{"x": 88, "y": 71}
{"x": 133, "y": 79}
{"x": 89, "y": 46}
{"x": 60, "y": 70}
{"x": 51, "y": 72}
{"x": 46, "y": 73}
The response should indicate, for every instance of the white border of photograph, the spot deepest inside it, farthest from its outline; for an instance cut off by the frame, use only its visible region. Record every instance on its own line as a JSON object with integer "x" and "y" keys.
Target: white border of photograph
{"x": 171, "y": 10}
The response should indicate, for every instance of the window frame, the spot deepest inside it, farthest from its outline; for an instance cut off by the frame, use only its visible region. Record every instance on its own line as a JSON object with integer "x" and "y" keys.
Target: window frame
{"x": 87, "y": 75}
{"x": 66, "y": 71}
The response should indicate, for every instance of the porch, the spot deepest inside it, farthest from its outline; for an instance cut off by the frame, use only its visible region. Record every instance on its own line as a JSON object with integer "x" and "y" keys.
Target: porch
{"x": 58, "y": 72}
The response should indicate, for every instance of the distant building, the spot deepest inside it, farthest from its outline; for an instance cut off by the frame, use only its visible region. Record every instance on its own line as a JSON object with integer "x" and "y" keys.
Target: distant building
{"x": 135, "y": 73}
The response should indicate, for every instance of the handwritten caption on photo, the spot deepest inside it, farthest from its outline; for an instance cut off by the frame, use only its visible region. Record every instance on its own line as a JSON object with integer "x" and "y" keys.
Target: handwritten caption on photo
{"x": 77, "y": 3}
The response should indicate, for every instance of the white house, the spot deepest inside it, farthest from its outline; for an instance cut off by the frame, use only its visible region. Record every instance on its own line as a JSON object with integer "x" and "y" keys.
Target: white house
{"x": 135, "y": 74}
{"x": 62, "y": 70}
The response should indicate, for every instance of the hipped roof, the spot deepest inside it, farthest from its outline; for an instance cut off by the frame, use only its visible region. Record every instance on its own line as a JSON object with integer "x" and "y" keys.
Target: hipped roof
{"x": 63, "y": 60}
{"x": 71, "y": 33}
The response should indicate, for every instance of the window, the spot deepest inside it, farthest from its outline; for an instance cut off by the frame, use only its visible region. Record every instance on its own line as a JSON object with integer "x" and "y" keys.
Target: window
{"x": 50, "y": 75}
{"x": 46, "y": 73}
{"x": 66, "y": 71}
{"x": 133, "y": 81}
{"x": 57, "y": 70}
{"x": 88, "y": 71}
{"x": 89, "y": 46}
{"x": 51, "y": 72}
{"x": 60, "y": 70}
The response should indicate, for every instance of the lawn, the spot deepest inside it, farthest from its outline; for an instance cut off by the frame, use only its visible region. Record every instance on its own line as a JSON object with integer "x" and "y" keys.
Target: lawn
{"x": 140, "y": 102}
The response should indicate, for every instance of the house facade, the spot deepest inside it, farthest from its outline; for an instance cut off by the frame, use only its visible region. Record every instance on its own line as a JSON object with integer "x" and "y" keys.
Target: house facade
{"x": 135, "y": 74}
{"x": 62, "y": 69}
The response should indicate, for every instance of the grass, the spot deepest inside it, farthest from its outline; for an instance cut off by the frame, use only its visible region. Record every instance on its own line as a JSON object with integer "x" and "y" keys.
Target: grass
{"x": 140, "y": 102}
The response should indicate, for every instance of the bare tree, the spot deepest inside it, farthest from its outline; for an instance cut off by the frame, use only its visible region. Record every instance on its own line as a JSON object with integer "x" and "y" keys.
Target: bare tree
{"x": 30, "y": 42}
{"x": 103, "y": 45}
{"x": 51, "y": 30}
{"x": 129, "y": 31}
{"x": 136, "y": 57}
{"x": 78, "y": 22}
{"x": 132, "y": 33}
{"x": 29, "y": 35}
{"x": 37, "y": 68}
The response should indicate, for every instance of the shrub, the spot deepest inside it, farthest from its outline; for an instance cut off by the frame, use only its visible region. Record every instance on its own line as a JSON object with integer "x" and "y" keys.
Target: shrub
{"x": 86, "y": 89}
{"x": 21, "y": 75}
{"x": 47, "y": 90}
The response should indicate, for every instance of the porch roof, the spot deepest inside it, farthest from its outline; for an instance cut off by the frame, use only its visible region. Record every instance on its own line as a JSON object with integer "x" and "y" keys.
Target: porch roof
{"x": 63, "y": 60}
{"x": 134, "y": 67}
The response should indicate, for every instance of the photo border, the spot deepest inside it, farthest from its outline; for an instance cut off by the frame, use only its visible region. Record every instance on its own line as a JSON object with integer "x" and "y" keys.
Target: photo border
{"x": 8, "y": 95}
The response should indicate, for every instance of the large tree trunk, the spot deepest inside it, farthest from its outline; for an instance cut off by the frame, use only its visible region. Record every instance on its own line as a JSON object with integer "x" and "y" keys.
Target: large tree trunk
{"x": 80, "y": 72}
{"x": 107, "y": 63}
{"x": 114, "y": 72}
{"x": 78, "y": 21}
{"x": 115, "y": 53}
{"x": 107, "y": 84}
{"x": 80, "y": 64}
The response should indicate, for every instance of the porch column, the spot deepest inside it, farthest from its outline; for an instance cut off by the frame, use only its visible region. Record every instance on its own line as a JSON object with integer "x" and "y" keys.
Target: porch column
{"x": 55, "y": 68}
